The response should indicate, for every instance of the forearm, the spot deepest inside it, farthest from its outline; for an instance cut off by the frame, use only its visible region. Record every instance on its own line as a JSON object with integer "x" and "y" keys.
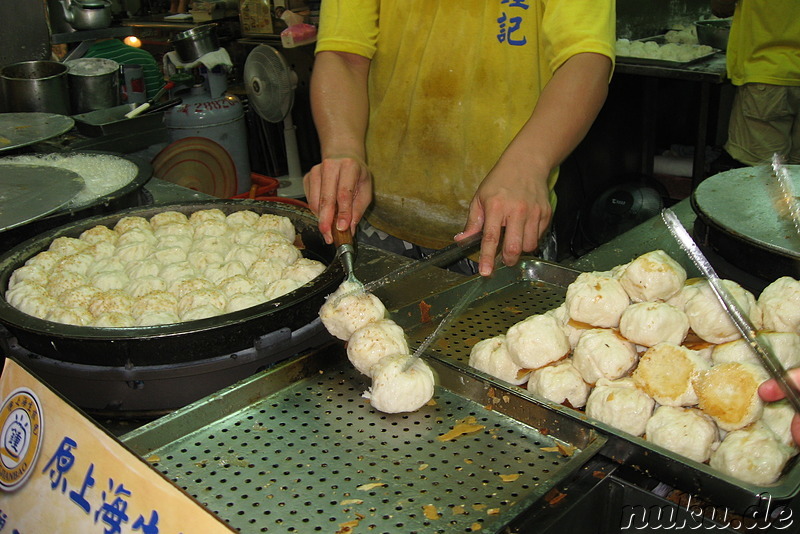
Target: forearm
{"x": 563, "y": 115}
{"x": 340, "y": 104}
{"x": 723, "y": 8}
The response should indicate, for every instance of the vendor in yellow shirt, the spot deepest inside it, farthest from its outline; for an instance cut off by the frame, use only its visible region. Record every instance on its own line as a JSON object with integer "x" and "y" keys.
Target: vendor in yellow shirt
{"x": 763, "y": 61}
{"x": 441, "y": 118}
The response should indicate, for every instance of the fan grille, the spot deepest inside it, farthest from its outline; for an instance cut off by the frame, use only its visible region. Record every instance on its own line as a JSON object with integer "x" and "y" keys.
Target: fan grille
{"x": 268, "y": 81}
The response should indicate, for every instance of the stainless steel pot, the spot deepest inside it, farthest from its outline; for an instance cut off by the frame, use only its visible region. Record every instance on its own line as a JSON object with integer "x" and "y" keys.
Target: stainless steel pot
{"x": 93, "y": 84}
{"x": 39, "y": 86}
{"x": 87, "y": 14}
{"x": 196, "y": 42}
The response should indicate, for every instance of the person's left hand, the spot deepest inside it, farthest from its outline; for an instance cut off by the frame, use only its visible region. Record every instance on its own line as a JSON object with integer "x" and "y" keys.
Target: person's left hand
{"x": 511, "y": 205}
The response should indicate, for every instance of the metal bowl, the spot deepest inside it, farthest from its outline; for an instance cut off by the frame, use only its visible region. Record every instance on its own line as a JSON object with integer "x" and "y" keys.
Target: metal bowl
{"x": 713, "y": 33}
{"x": 192, "y": 44}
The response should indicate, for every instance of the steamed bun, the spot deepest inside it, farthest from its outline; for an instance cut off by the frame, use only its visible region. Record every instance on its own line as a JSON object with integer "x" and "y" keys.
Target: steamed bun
{"x": 653, "y": 276}
{"x": 394, "y": 390}
{"x": 343, "y": 316}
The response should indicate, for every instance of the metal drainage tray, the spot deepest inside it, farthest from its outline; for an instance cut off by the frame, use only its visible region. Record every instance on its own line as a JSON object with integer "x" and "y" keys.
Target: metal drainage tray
{"x": 297, "y": 449}
{"x": 534, "y": 287}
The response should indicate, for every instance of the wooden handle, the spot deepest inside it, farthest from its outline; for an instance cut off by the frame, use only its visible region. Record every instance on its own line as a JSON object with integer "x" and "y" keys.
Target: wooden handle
{"x": 342, "y": 237}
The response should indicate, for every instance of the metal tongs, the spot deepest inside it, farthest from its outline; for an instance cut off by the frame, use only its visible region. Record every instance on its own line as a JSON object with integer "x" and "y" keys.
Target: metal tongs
{"x": 758, "y": 344}
{"x": 343, "y": 240}
{"x": 463, "y": 301}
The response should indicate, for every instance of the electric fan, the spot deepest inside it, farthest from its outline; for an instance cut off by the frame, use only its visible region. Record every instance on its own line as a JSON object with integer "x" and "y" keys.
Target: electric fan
{"x": 270, "y": 85}
{"x": 621, "y": 208}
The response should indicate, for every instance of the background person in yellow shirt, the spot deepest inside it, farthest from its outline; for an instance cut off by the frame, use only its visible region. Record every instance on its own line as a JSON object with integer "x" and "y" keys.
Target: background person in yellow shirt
{"x": 763, "y": 61}
{"x": 439, "y": 118}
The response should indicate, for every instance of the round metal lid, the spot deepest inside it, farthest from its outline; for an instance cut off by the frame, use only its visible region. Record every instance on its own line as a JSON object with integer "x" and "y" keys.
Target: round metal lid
{"x": 748, "y": 204}
{"x": 28, "y": 192}
{"x": 22, "y": 129}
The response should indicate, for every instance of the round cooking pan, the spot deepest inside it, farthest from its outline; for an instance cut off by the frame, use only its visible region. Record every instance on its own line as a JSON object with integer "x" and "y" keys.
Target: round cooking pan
{"x": 180, "y": 342}
{"x": 742, "y": 215}
{"x": 126, "y": 196}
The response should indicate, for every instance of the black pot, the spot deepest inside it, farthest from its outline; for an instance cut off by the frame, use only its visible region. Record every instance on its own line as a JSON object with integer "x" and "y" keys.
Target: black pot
{"x": 175, "y": 343}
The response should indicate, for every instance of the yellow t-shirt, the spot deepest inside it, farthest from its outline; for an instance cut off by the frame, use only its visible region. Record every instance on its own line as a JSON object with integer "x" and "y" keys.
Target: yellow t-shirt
{"x": 764, "y": 43}
{"x": 450, "y": 84}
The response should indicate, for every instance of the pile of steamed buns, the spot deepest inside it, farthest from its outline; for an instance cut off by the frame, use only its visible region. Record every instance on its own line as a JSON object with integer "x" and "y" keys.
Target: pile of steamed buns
{"x": 639, "y": 348}
{"x": 648, "y": 352}
{"x": 167, "y": 269}
{"x": 377, "y": 347}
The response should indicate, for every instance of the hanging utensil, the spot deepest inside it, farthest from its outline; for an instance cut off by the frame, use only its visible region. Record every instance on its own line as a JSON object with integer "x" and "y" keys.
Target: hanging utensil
{"x": 758, "y": 344}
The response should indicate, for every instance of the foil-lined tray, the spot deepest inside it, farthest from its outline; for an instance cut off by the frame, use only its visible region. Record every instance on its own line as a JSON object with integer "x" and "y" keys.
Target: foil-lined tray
{"x": 297, "y": 449}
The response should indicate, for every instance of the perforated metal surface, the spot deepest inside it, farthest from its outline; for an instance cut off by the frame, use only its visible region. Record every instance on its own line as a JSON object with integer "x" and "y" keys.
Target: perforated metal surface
{"x": 314, "y": 456}
{"x": 508, "y": 301}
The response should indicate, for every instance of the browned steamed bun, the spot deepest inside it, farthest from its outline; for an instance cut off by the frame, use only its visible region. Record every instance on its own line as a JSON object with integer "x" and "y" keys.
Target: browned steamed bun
{"x": 729, "y": 394}
{"x": 653, "y": 276}
{"x": 666, "y": 372}
{"x": 597, "y": 299}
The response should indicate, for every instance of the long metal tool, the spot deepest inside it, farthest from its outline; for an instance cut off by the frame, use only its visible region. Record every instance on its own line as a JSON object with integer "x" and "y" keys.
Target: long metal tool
{"x": 759, "y": 345}
{"x": 460, "y": 305}
{"x": 454, "y": 251}
{"x": 345, "y": 251}
{"x": 789, "y": 195}
{"x": 450, "y": 253}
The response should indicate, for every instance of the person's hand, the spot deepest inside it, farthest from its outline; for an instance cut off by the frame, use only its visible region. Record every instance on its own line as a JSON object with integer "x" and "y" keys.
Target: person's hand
{"x": 338, "y": 191}
{"x": 511, "y": 205}
{"x": 770, "y": 391}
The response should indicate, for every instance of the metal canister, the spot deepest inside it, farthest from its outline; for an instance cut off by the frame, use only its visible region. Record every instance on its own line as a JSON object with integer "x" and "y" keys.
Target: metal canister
{"x": 38, "y": 86}
{"x": 93, "y": 84}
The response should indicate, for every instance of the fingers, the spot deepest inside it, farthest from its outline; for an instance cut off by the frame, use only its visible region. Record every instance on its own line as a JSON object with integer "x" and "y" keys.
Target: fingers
{"x": 517, "y": 225}
{"x": 769, "y": 391}
{"x": 338, "y": 190}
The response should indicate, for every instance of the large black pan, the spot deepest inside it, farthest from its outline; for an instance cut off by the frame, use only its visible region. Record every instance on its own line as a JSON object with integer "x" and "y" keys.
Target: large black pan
{"x": 126, "y": 196}
{"x": 181, "y": 342}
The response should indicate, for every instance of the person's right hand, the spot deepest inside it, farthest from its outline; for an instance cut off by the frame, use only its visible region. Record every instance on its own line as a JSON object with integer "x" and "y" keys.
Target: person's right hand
{"x": 338, "y": 191}
{"x": 770, "y": 391}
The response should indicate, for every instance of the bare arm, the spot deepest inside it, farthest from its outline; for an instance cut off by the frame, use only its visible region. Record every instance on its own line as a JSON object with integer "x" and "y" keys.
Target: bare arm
{"x": 341, "y": 186}
{"x": 514, "y": 195}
